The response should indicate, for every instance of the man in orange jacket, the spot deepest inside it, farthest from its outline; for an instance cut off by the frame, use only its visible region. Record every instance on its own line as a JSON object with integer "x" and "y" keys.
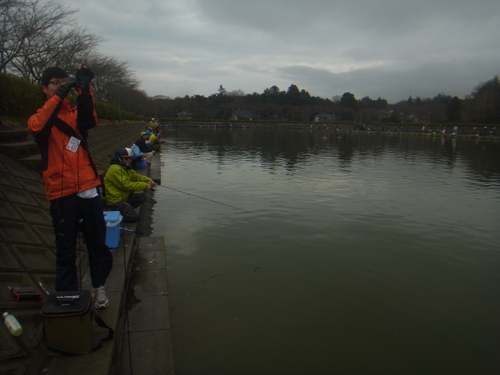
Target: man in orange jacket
{"x": 71, "y": 179}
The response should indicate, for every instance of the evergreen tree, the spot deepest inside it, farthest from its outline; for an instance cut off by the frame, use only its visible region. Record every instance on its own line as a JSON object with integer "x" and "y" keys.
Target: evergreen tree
{"x": 487, "y": 101}
{"x": 348, "y": 100}
{"x": 453, "y": 109}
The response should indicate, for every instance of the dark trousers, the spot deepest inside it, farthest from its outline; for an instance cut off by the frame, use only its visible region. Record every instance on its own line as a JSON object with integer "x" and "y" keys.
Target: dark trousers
{"x": 69, "y": 215}
{"x": 127, "y": 209}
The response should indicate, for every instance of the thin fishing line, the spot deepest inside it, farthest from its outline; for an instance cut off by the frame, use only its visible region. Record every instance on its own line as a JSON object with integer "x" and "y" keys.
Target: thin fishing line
{"x": 197, "y": 196}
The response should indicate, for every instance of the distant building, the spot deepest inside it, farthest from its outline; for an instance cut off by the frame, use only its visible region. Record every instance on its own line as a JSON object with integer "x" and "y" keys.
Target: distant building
{"x": 325, "y": 117}
{"x": 247, "y": 115}
{"x": 161, "y": 97}
{"x": 186, "y": 115}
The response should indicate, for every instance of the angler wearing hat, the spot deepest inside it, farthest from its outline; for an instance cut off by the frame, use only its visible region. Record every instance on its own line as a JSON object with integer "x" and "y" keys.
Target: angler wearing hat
{"x": 71, "y": 179}
{"x": 154, "y": 141}
{"x": 121, "y": 182}
{"x": 147, "y": 151}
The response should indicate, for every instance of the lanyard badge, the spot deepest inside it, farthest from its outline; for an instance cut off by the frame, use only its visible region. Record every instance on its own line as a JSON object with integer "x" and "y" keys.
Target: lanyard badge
{"x": 73, "y": 144}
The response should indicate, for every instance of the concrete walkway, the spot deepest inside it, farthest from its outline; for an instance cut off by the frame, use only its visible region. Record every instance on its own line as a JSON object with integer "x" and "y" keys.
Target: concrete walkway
{"x": 27, "y": 258}
{"x": 148, "y": 347}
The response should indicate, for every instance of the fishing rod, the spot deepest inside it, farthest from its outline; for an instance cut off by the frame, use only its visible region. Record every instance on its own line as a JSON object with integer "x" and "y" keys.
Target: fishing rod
{"x": 131, "y": 230}
{"x": 197, "y": 196}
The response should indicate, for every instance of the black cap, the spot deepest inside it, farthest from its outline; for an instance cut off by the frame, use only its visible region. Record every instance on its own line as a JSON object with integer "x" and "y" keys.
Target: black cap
{"x": 50, "y": 73}
{"x": 127, "y": 153}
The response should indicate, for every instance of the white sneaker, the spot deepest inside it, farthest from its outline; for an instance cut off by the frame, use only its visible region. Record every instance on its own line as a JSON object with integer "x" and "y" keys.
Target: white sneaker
{"x": 100, "y": 299}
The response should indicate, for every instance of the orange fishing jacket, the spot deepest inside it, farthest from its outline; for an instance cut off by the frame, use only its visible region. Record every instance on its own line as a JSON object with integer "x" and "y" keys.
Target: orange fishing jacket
{"x": 66, "y": 169}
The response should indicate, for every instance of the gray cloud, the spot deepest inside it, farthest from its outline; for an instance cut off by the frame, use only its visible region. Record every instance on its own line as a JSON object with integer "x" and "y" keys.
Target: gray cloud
{"x": 389, "y": 83}
{"x": 386, "y": 48}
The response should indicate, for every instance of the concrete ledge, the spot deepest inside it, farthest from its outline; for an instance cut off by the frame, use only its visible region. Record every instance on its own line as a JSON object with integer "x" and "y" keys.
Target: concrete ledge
{"x": 103, "y": 361}
{"x": 149, "y": 349}
{"x": 24, "y": 204}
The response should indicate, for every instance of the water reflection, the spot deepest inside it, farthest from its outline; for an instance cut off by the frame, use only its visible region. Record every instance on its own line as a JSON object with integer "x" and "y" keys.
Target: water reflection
{"x": 292, "y": 148}
{"x": 374, "y": 254}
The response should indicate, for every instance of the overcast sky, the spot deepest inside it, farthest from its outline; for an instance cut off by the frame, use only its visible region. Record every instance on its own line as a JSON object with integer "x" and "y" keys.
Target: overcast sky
{"x": 379, "y": 48}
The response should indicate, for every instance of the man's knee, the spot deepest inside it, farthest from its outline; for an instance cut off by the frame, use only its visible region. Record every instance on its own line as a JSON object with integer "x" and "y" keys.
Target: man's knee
{"x": 136, "y": 199}
{"x": 127, "y": 211}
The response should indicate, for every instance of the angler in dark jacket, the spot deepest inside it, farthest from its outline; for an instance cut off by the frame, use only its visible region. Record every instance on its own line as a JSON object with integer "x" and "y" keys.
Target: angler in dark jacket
{"x": 145, "y": 148}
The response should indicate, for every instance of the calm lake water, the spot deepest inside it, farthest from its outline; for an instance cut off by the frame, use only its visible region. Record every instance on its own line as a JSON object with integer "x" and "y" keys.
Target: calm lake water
{"x": 377, "y": 254}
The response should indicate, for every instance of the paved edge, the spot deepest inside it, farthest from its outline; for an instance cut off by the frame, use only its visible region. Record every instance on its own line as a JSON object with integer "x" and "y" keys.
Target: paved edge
{"x": 148, "y": 313}
{"x": 107, "y": 359}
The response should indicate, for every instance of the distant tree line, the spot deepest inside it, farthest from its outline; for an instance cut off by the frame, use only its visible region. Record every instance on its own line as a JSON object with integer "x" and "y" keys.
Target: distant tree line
{"x": 481, "y": 106}
{"x": 36, "y": 35}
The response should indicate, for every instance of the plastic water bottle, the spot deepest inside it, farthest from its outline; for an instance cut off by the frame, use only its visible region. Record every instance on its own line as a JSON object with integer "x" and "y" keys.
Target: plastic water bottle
{"x": 12, "y": 324}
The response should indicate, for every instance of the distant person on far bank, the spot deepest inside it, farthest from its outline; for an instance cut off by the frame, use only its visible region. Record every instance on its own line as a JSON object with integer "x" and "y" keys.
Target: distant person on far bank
{"x": 122, "y": 183}
{"x": 71, "y": 179}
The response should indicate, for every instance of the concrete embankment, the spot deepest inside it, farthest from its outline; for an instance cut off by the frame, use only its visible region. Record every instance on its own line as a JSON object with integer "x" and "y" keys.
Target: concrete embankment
{"x": 27, "y": 259}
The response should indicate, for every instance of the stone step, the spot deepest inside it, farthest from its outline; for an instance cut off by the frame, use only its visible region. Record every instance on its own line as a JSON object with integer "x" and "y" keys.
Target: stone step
{"x": 32, "y": 162}
{"x": 16, "y": 150}
{"x": 13, "y": 135}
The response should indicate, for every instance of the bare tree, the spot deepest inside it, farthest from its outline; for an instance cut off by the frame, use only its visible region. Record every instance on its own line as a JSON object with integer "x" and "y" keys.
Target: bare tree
{"x": 65, "y": 49}
{"x": 35, "y": 36}
{"x": 24, "y": 24}
{"x": 112, "y": 78}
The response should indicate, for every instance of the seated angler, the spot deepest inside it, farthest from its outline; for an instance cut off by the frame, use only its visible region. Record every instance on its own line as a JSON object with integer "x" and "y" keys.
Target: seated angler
{"x": 154, "y": 141}
{"x": 145, "y": 148}
{"x": 121, "y": 184}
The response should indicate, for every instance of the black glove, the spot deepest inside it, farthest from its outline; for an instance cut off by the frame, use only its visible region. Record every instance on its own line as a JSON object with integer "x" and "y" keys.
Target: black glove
{"x": 83, "y": 77}
{"x": 65, "y": 87}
